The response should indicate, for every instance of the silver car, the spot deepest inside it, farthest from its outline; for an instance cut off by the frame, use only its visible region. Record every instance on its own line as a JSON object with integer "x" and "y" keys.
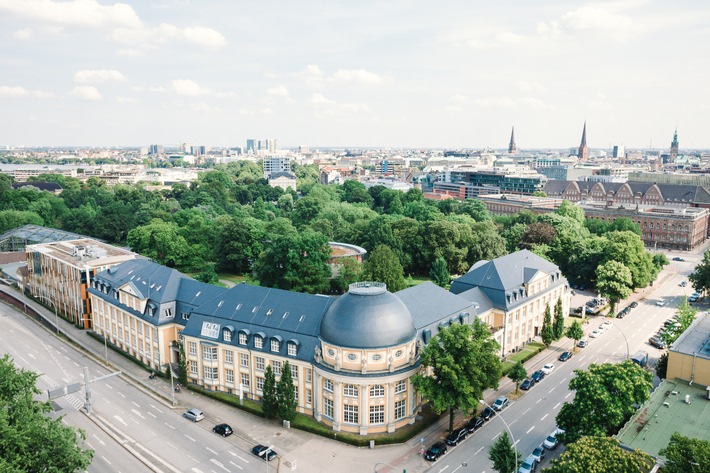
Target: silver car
{"x": 195, "y": 415}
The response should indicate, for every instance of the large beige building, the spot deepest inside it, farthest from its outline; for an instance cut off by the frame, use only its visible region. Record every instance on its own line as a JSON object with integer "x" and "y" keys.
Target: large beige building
{"x": 689, "y": 355}
{"x": 58, "y": 273}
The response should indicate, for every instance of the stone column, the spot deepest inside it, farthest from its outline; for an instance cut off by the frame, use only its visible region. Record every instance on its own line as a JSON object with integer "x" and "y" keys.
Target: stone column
{"x": 389, "y": 407}
{"x": 337, "y": 405}
{"x": 317, "y": 395}
{"x": 364, "y": 410}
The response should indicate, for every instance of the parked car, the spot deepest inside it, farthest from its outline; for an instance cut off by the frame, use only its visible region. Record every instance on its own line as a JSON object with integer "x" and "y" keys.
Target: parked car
{"x": 683, "y": 284}
{"x": 657, "y": 342}
{"x": 660, "y": 303}
{"x": 474, "y": 424}
{"x": 694, "y": 297}
{"x": 678, "y": 258}
{"x": 195, "y": 415}
{"x": 566, "y": 355}
{"x": 501, "y": 403}
{"x": 548, "y": 368}
{"x": 594, "y": 334}
{"x": 457, "y": 436}
{"x": 224, "y": 430}
{"x": 528, "y": 466}
{"x": 606, "y": 324}
{"x": 582, "y": 343}
{"x": 487, "y": 413}
{"x": 634, "y": 304}
{"x": 435, "y": 451}
{"x": 527, "y": 384}
{"x": 538, "y": 453}
{"x": 551, "y": 442}
{"x": 263, "y": 450}
{"x": 537, "y": 376}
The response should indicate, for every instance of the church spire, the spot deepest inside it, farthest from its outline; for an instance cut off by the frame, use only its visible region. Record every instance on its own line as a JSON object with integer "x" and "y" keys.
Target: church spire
{"x": 674, "y": 146}
{"x": 512, "y": 149}
{"x": 583, "y": 153}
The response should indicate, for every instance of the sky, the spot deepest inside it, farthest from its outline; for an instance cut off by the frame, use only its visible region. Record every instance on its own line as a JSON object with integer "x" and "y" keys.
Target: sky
{"x": 379, "y": 74}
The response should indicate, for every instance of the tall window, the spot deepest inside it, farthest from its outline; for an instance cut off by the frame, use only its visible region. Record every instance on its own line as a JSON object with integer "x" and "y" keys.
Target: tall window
{"x": 328, "y": 407}
{"x": 350, "y": 414}
{"x": 211, "y": 373}
{"x": 294, "y": 372}
{"x": 309, "y": 375}
{"x": 193, "y": 368}
{"x": 209, "y": 353}
{"x": 245, "y": 379}
{"x": 230, "y": 376}
{"x": 377, "y": 414}
{"x": 275, "y": 345}
{"x": 244, "y": 360}
{"x": 229, "y": 356}
{"x": 350, "y": 390}
{"x": 292, "y": 349}
{"x": 400, "y": 387}
{"x": 309, "y": 396}
{"x": 259, "y": 383}
{"x": 258, "y": 342}
{"x": 377, "y": 391}
{"x": 276, "y": 366}
{"x": 328, "y": 385}
{"x": 242, "y": 338}
{"x": 259, "y": 363}
{"x": 400, "y": 409}
{"x": 192, "y": 347}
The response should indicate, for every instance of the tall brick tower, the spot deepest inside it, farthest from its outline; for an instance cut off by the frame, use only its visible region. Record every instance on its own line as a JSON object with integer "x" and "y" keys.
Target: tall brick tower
{"x": 674, "y": 146}
{"x": 583, "y": 153}
{"x": 512, "y": 149}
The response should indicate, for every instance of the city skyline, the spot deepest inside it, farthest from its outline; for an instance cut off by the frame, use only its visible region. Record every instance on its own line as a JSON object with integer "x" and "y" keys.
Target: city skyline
{"x": 368, "y": 75}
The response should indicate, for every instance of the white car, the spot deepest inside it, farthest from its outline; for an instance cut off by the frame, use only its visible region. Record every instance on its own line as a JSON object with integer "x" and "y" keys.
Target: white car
{"x": 660, "y": 303}
{"x": 607, "y": 324}
{"x": 548, "y": 368}
{"x": 602, "y": 328}
{"x": 551, "y": 442}
{"x": 594, "y": 334}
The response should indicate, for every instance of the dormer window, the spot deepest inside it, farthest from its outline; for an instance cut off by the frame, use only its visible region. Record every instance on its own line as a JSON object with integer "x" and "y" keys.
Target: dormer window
{"x": 227, "y": 335}
{"x": 258, "y": 342}
{"x": 150, "y": 311}
{"x": 243, "y": 338}
{"x": 275, "y": 345}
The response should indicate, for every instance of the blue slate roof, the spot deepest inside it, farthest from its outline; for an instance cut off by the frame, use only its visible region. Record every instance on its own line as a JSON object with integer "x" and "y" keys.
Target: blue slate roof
{"x": 429, "y": 303}
{"x": 503, "y": 280}
{"x": 275, "y": 313}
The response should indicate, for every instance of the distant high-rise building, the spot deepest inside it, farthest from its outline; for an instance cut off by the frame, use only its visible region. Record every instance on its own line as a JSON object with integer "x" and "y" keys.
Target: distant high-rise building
{"x": 674, "y": 147}
{"x": 619, "y": 151}
{"x": 251, "y": 146}
{"x": 583, "y": 153}
{"x": 276, "y": 164}
{"x": 512, "y": 149}
{"x": 155, "y": 150}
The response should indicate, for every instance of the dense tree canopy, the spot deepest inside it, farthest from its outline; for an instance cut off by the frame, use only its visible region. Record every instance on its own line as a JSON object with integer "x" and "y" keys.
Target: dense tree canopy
{"x": 30, "y": 440}
{"x": 614, "y": 281}
{"x": 686, "y": 455}
{"x": 604, "y": 399}
{"x": 462, "y": 361}
{"x": 598, "y": 454}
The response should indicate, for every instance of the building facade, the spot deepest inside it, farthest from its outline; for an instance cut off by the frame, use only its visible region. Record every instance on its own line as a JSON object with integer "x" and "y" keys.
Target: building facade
{"x": 59, "y": 273}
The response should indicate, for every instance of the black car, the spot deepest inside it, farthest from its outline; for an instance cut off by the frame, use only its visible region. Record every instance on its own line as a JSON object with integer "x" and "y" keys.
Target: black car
{"x": 222, "y": 429}
{"x": 474, "y": 424}
{"x": 537, "y": 376}
{"x": 457, "y": 436}
{"x": 487, "y": 413}
{"x": 565, "y": 356}
{"x": 678, "y": 258}
{"x": 634, "y": 304}
{"x": 527, "y": 384}
{"x": 435, "y": 451}
{"x": 657, "y": 342}
{"x": 261, "y": 450}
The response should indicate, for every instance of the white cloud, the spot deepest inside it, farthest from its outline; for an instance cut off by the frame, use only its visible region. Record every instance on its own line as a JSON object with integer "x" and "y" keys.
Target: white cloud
{"x": 87, "y": 92}
{"x": 459, "y": 98}
{"x": 278, "y": 91}
{"x": 74, "y": 13}
{"x": 603, "y": 19}
{"x": 328, "y": 108}
{"x": 10, "y": 91}
{"x": 495, "y": 102}
{"x": 318, "y": 99}
{"x": 26, "y": 33}
{"x": 87, "y": 76}
{"x": 129, "y": 52}
{"x": 359, "y": 76}
{"x": 188, "y": 87}
{"x": 126, "y": 100}
{"x": 166, "y": 32}
{"x": 204, "y": 36}
{"x": 204, "y": 107}
{"x": 534, "y": 104}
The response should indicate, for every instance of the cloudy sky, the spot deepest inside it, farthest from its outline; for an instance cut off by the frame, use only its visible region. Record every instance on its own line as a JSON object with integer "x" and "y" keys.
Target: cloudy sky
{"x": 395, "y": 73}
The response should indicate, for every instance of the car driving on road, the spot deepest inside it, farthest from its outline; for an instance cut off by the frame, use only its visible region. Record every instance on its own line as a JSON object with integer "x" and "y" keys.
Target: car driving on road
{"x": 566, "y": 355}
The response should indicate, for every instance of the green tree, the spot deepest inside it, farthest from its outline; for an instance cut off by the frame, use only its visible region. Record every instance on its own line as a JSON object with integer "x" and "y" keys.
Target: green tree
{"x": 182, "y": 365}
{"x": 503, "y": 455}
{"x": 240, "y": 242}
{"x": 614, "y": 281}
{"x": 349, "y": 271}
{"x": 384, "y": 266}
{"x": 662, "y": 366}
{"x": 161, "y": 242}
{"x": 684, "y": 317}
{"x": 604, "y": 399}
{"x": 547, "y": 333}
{"x": 625, "y": 224}
{"x": 575, "y": 332}
{"x": 700, "y": 277}
{"x": 558, "y": 326}
{"x": 627, "y": 247}
{"x": 487, "y": 242}
{"x": 297, "y": 262}
{"x": 462, "y": 361}
{"x": 517, "y": 374}
{"x": 286, "y": 394}
{"x": 600, "y": 454}
{"x": 439, "y": 273}
{"x": 686, "y": 455}
{"x": 30, "y": 440}
{"x": 269, "y": 399}
{"x": 571, "y": 210}
{"x": 10, "y": 219}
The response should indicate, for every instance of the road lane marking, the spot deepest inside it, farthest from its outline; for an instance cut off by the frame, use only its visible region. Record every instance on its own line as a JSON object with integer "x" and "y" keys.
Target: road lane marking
{"x": 235, "y": 455}
{"x": 526, "y": 410}
{"x": 219, "y": 464}
{"x": 195, "y": 469}
{"x": 496, "y": 436}
{"x": 241, "y": 468}
{"x": 170, "y": 426}
{"x": 208, "y": 448}
{"x": 538, "y": 400}
{"x": 152, "y": 415}
{"x": 479, "y": 450}
{"x": 105, "y": 459}
{"x": 97, "y": 438}
{"x": 137, "y": 413}
{"x": 548, "y": 392}
{"x": 190, "y": 438}
{"x": 122, "y": 395}
{"x": 135, "y": 404}
{"x": 120, "y": 420}
{"x": 530, "y": 429}
{"x": 156, "y": 408}
{"x": 568, "y": 394}
{"x": 171, "y": 445}
{"x": 443, "y": 469}
{"x": 556, "y": 406}
{"x": 543, "y": 417}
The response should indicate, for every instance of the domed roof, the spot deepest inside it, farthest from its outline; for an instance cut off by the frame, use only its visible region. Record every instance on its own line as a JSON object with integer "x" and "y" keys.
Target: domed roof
{"x": 368, "y": 316}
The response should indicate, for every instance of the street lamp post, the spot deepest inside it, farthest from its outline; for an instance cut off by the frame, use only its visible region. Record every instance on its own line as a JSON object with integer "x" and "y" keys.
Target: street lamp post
{"x": 515, "y": 450}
